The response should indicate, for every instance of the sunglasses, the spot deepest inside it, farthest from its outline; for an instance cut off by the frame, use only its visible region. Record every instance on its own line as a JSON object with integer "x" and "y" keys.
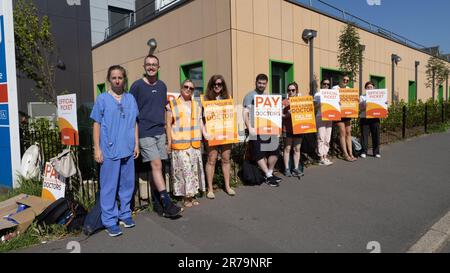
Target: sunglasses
{"x": 219, "y": 84}
{"x": 326, "y": 83}
{"x": 345, "y": 80}
{"x": 292, "y": 90}
{"x": 188, "y": 88}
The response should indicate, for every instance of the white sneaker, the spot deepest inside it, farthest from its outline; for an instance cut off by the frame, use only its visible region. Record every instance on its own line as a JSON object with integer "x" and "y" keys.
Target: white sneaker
{"x": 363, "y": 155}
{"x": 322, "y": 163}
{"x": 378, "y": 156}
{"x": 328, "y": 162}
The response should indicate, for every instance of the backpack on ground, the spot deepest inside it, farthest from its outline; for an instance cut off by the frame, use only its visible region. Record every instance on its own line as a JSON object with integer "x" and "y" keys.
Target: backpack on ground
{"x": 356, "y": 147}
{"x": 93, "y": 220}
{"x": 250, "y": 174}
{"x": 63, "y": 212}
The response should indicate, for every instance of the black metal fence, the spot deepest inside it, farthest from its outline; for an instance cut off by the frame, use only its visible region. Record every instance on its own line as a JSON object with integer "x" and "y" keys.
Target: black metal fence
{"x": 404, "y": 121}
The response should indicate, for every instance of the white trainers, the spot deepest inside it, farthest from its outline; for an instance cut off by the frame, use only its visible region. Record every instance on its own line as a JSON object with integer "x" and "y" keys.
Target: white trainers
{"x": 328, "y": 162}
{"x": 378, "y": 156}
{"x": 363, "y": 155}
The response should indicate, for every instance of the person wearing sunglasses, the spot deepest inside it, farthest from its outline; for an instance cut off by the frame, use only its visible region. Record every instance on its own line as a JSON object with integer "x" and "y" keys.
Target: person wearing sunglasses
{"x": 217, "y": 90}
{"x": 345, "y": 129}
{"x": 371, "y": 126}
{"x": 324, "y": 127}
{"x": 184, "y": 134}
{"x": 289, "y": 138}
{"x": 115, "y": 135}
{"x": 151, "y": 97}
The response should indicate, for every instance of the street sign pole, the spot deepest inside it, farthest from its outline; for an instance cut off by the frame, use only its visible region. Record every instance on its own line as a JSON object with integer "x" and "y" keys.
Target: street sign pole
{"x": 9, "y": 114}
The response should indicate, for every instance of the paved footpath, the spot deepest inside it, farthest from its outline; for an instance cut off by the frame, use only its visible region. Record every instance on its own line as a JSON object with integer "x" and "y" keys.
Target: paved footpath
{"x": 393, "y": 201}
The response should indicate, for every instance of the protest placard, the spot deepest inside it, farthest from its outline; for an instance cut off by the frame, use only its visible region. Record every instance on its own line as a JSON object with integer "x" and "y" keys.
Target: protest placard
{"x": 330, "y": 108}
{"x": 349, "y": 98}
{"x": 376, "y": 103}
{"x": 302, "y": 113}
{"x": 221, "y": 125}
{"x": 268, "y": 114}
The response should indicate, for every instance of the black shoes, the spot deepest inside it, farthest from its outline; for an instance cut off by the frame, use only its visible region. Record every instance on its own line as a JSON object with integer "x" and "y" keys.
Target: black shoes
{"x": 172, "y": 211}
{"x": 272, "y": 181}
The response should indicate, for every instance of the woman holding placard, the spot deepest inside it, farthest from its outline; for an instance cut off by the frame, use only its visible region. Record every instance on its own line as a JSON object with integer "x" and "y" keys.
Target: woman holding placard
{"x": 289, "y": 138}
{"x": 184, "y": 128}
{"x": 371, "y": 126}
{"x": 217, "y": 90}
{"x": 345, "y": 129}
{"x": 324, "y": 127}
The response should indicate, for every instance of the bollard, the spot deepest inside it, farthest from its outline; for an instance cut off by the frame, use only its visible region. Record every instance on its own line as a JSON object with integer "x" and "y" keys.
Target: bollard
{"x": 426, "y": 118}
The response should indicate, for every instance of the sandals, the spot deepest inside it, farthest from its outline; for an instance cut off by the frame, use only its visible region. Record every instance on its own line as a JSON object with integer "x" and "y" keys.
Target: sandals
{"x": 348, "y": 158}
{"x": 231, "y": 192}
{"x": 188, "y": 203}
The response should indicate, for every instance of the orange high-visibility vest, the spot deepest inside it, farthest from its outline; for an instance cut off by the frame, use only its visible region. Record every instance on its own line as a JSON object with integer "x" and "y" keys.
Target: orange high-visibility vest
{"x": 186, "y": 128}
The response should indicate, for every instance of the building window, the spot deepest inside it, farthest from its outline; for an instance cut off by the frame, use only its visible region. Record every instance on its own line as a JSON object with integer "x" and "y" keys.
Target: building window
{"x": 378, "y": 81}
{"x": 101, "y": 88}
{"x": 195, "y": 72}
{"x": 412, "y": 95}
{"x": 118, "y": 19}
{"x": 281, "y": 74}
{"x": 333, "y": 75}
{"x": 163, "y": 4}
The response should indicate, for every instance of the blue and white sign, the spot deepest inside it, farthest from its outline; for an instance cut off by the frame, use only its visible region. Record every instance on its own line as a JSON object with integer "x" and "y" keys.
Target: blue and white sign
{"x": 9, "y": 120}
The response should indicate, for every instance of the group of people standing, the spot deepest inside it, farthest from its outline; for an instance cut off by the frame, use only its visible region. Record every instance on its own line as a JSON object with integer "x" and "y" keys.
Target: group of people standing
{"x": 143, "y": 123}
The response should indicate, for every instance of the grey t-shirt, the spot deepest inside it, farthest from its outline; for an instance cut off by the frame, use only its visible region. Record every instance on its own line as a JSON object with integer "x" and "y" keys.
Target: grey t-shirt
{"x": 249, "y": 102}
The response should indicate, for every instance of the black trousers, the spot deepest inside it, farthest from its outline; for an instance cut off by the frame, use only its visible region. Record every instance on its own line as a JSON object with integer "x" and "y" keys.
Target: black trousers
{"x": 372, "y": 126}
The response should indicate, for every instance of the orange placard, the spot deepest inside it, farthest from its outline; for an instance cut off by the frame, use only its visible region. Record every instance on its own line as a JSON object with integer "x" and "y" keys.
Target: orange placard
{"x": 268, "y": 113}
{"x": 221, "y": 124}
{"x": 349, "y": 98}
{"x": 302, "y": 113}
{"x": 329, "y": 104}
{"x": 67, "y": 119}
{"x": 376, "y": 103}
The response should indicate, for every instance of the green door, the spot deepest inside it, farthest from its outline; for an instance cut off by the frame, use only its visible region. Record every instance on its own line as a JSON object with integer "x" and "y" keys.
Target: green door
{"x": 378, "y": 81}
{"x": 441, "y": 93}
{"x": 412, "y": 96}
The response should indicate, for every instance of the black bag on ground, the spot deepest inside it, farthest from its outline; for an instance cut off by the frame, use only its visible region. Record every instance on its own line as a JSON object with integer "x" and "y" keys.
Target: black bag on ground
{"x": 93, "y": 221}
{"x": 63, "y": 212}
{"x": 250, "y": 174}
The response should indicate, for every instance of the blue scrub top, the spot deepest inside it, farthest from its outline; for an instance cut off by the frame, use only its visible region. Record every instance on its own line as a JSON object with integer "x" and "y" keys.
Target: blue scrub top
{"x": 117, "y": 124}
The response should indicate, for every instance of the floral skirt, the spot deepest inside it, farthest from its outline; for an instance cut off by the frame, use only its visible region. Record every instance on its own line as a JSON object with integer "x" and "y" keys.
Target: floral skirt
{"x": 187, "y": 172}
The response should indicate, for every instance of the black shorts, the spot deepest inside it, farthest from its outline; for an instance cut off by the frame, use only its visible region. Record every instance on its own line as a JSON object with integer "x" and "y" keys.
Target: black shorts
{"x": 343, "y": 120}
{"x": 265, "y": 147}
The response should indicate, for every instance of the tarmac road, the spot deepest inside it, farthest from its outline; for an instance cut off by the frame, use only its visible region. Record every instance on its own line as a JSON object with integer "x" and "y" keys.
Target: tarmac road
{"x": 391, "y": 201}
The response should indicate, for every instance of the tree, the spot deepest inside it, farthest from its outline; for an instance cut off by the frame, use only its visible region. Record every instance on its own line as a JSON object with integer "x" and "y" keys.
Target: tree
{"x": 350, "y": 51}
{"x": 441, "y": 72}
{"x": 35, "y": 49}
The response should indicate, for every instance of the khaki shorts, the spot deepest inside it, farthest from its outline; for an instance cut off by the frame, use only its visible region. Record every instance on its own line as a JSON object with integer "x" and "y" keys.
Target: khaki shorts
{"x": 153, "y": 148}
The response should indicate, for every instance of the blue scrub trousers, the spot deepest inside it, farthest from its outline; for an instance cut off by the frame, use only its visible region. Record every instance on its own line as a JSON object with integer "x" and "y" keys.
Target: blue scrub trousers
{"x": 116, "y": 180}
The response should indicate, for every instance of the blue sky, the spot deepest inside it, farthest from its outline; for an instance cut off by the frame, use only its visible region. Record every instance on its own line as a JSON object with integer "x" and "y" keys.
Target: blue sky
{"x": 426, "y": 22}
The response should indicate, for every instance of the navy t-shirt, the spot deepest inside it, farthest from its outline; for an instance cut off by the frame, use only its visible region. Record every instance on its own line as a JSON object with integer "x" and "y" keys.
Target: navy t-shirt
{"x": 151, "y": 101}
